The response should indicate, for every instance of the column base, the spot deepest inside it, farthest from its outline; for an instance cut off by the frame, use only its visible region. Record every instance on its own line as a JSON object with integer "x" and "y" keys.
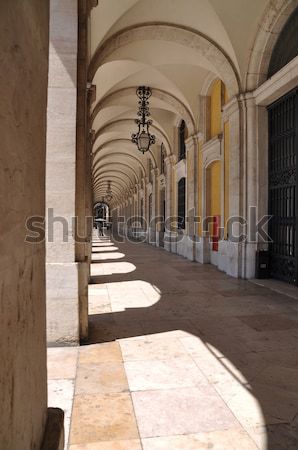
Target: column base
{"x": 54, "y": 432}
{"x": 62, "y": 281}
{"x": 202, "y": 250}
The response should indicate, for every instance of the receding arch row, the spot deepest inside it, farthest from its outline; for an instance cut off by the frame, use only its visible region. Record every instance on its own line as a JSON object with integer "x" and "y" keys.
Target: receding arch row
{"x": 129, "y": 155}
{"x": 101, "y": 148}
{"x": 179, "y": 34}
{"x": 101, "y": 192}
{"x": 114, "y": 163}
{"x": 120, "y": 181}
{"x": 102, "y": 185}
{"x": 154, "y": 128}
{"x": 112, "y": 174}
{"x": 116, "y": 185}
{"x": 98, "y": 195}
{"x": 180, "y": 108}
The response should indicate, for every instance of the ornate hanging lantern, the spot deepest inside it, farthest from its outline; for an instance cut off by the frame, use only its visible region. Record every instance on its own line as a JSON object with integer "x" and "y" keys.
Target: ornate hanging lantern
{"x": 109, "y": 194}
{"x": 143, "y": 139}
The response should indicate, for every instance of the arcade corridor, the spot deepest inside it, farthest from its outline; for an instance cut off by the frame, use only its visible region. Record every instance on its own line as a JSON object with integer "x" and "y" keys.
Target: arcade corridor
{"x": 180, "y": 356}
{"x": 174, "y": 122}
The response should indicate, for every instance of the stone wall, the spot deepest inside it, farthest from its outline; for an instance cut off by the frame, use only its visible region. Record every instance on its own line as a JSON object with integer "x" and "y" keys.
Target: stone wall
{"x": 23, "y": 88}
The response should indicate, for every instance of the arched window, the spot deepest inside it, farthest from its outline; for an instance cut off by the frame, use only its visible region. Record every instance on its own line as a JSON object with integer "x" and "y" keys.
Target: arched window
{"x": 286, "y": 47}
{"x": 181, "y": 204}
{"x": 162, "y": 159}
{"x": 182, "y": 137}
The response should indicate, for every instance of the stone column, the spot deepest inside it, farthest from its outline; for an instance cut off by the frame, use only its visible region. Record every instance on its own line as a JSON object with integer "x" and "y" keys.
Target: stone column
{"x": 84, "y": 137}
{"x": 145, "y": 208}
{"x": 62, "y": 271}
{"x": 24, "y": 48}
{"x": 251, "y": 183}
{"x": 155, "y": 206}
{"x": 170, "y": 210}
{"x": 234, "y": 249}
{"x": 191, "y": 193}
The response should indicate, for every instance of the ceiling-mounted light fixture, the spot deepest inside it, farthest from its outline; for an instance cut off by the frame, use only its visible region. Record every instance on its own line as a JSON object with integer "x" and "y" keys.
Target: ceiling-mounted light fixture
{"x": 143, "y": 139}
{"x": 109, "y": 194}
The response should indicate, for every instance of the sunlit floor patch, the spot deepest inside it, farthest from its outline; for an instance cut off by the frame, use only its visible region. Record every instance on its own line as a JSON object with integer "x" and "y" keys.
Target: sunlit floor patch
{"x": 132, "y": 294}
{"x": 112, "y": 268}
{"x": 108, "y": 248}
{"x": 106, "y": 256}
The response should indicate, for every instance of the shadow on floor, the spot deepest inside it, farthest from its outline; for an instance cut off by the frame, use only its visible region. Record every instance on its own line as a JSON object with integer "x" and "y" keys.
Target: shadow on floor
{"x": 251, "y": 331}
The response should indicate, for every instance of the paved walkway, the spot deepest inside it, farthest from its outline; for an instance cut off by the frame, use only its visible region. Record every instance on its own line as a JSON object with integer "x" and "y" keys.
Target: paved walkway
{"x": 181, "y": 356}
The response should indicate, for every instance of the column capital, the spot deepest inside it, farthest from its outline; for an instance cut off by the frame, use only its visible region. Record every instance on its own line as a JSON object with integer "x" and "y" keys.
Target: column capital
{"x": 230, "y": 108}
{"x": 171, "y": 160}
{"x": 91, "y": 4}
{"x": 155, "y": 172}
{"x": 191, "y": 142}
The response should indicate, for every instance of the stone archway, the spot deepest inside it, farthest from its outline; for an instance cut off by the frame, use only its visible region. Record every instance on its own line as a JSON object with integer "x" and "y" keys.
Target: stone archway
{"x": 179, "y": 34}
{"x": 275, "y": 17}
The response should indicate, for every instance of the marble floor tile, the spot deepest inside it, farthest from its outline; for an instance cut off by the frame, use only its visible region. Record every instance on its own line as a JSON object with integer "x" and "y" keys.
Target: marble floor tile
{"x": 103, "y": 378}
{"x": 163, "y": 374}
{"x": 110, "y": 445}
{"x": 253, "y": 407}
{"x": 216, "y": 440}
{"x": 62, "y": 362}
{"x": 102, "y": 418}
{"x": 60, "y": 395}
{"x": 144, "y": 349}
{"x": 181, "y": 411}
{"x": 96, "y": 354}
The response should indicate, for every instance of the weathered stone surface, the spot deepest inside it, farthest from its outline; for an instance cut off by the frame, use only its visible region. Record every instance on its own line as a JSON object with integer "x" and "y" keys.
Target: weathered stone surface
{"x": 23, "y": 88}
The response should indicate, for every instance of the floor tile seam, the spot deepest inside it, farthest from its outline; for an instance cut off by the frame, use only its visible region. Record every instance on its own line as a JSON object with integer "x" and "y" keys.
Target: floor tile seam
{"x": 194, "y": 358}
{"x": 73, "y": 398}
{"x": 276, "y": 290}
{"x": 130, "y": 396}
{"x": 195, "y": 434}
{"x": 160, "y": 359}
{"x": 222, "y": 428}
{"x": 219, "y": 394}
{"x": 242, "y": 425}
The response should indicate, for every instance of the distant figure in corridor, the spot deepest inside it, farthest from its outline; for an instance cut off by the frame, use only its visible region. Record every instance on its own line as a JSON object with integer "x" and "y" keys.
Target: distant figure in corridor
{"x": 100, "y": 229}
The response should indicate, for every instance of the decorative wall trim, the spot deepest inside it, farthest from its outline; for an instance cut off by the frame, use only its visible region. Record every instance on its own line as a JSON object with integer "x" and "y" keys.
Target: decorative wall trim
{"x": 212, "y": 150}
{"x": 278, "y": 85}
{"x": 271, "y": 24}
{"x": 162, "y": 181}
{"x": 230, "y": 108}
{"x": 180, "y": 168}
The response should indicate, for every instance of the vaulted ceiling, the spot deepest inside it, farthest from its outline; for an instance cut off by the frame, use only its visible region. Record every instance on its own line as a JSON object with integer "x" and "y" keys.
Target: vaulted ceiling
{"x": 176, "y": 47}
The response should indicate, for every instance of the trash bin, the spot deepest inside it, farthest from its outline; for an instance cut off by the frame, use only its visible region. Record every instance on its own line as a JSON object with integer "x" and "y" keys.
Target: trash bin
{"x": 262, "y": 264}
